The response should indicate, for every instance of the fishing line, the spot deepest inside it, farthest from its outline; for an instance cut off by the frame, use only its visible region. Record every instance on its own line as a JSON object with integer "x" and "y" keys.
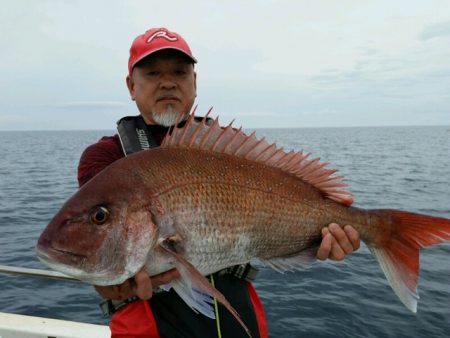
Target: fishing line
{"x": 216, "y": 310}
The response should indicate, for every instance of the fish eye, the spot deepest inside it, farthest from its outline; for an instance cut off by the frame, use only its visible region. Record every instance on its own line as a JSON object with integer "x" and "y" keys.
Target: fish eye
{"x": 99, "y": 215}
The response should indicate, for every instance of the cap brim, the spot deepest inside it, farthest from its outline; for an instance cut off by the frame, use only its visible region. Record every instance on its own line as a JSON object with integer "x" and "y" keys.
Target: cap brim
{"x": 194, "y": 60}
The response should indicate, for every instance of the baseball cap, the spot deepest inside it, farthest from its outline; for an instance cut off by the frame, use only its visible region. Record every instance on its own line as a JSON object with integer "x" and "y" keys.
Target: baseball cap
{"x": 156, "y": 39}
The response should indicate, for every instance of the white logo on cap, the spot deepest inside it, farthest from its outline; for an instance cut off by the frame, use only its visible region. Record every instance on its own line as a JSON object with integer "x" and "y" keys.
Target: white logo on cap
{"x": 161, "y": 34}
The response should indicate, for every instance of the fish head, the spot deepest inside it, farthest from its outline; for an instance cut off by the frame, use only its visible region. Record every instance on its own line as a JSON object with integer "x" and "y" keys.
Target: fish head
{"x": 103, "y": 234}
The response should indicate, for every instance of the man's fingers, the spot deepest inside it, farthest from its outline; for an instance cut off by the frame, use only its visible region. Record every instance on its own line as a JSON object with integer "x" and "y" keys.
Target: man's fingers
{"x": 165, "y": 277}
{"x": 353, "y": 236}
{"x": 116, "y": 292}
{"x": 103, "y": 291}
{"x": 143, "y": 285}
{"x": 325, "y": 247}
{"x": 343, "y": 244}
{"x": 337, "y": 253}
{"x": 338, "y": 242}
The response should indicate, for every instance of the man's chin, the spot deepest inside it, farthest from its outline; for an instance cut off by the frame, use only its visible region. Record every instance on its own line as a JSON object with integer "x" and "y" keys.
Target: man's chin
{"x": 166, "y": 119}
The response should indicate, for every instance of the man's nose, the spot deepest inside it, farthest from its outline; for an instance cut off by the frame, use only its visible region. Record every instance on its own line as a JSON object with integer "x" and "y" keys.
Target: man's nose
{"x": 168, "y": 82}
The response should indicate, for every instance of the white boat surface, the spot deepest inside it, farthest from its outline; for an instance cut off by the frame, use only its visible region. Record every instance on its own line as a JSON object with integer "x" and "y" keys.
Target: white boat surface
{"x": 21, "y": 326}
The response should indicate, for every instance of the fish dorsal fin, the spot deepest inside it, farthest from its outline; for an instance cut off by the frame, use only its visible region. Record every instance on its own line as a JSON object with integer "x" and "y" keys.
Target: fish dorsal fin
{"x": 229, "y": 140}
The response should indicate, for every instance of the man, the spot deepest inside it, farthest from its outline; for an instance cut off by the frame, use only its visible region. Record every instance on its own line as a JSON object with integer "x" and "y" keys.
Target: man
{"x": 162, "y": 81}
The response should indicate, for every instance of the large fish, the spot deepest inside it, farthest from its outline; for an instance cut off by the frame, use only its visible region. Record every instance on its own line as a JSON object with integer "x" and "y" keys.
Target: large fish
{"x": 213, "y": 197}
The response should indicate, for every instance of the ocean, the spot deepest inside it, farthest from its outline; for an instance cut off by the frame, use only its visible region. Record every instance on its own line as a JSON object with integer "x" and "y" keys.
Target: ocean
{"x": 387, "y": 167}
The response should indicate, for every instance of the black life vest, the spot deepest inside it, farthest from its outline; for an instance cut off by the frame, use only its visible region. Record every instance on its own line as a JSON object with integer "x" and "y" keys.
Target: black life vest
{"x": 171, "y": 315}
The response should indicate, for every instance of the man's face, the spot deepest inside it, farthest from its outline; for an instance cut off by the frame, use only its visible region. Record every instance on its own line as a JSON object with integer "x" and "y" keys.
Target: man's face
{"x": 163, "y": 85}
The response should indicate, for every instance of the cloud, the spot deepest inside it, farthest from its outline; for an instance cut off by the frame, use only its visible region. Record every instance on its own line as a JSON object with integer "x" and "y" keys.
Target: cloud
{"x": 316, "y": 63}
{"x": 11, "y": 119}
{"x": 439, "y": 30}
{"x": 87, "y": 105}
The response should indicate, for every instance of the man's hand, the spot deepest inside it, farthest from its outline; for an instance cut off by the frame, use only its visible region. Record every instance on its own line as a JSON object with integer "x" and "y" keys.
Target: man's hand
{"x": 140, "y": 285}
{"x": 338, "y": 242}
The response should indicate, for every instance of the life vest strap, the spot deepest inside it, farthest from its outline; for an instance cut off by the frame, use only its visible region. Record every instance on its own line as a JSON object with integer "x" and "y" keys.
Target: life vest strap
{"x": 134, "y": 134}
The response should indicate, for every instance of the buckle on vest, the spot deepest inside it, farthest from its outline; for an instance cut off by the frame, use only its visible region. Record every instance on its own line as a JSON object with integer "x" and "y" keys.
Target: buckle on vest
{"x": 243, "y": 271}
{"x": 110, "y": 306}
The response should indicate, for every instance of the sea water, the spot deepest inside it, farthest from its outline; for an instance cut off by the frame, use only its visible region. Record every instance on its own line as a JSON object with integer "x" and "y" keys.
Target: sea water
{"x": 387, "y": 167}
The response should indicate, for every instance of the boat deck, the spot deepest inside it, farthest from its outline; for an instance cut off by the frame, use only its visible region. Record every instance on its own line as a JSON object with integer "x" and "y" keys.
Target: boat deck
{"x": 20, "y": 326}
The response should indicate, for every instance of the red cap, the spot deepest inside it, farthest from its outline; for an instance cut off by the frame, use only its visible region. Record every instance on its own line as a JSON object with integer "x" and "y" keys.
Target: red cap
{"x": 154, "y": 40}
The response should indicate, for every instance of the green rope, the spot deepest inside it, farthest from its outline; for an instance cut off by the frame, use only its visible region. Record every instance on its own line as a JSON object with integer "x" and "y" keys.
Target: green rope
{"x": 216, "y": 310}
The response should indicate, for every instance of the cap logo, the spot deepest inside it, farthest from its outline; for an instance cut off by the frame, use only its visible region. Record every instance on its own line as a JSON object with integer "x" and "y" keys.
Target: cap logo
{"x": 162, "y": 34}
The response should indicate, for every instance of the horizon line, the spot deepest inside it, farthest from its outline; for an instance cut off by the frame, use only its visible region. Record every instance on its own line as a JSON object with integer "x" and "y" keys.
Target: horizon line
{"x": 254, "y": 128}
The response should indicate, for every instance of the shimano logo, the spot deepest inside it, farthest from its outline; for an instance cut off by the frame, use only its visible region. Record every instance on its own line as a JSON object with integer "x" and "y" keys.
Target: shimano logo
{"x": 143, "y": 140}
{"x": 162, "y": 34}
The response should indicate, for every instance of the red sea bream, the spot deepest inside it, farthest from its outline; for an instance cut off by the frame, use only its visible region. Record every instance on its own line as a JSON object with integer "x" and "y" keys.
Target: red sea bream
{"x": 213, "y": 197}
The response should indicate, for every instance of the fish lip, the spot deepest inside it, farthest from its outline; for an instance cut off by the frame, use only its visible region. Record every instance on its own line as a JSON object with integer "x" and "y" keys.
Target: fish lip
{"x": 47, "y": 251}
{"x": 70, "y": 253}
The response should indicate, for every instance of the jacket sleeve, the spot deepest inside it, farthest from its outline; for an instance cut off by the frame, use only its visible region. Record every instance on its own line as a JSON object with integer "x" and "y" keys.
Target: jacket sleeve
{"x": 97, "y": 157}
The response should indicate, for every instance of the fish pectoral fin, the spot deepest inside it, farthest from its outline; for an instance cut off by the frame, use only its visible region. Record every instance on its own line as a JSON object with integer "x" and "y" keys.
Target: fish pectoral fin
{"x": 198, "y": 301}
{"x": 172, "y": 243}
{"x": 195, "y": 289}
{"x": 299, "y": 261}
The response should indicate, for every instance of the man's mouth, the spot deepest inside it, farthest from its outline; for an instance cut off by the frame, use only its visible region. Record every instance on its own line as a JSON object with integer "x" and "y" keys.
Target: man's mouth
{"x": 168, "y": 98}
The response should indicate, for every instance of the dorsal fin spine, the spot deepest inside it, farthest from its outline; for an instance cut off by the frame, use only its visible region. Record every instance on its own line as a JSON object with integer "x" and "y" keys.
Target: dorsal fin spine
{"x": 188, "y": 123}
{"x": 234, "y": 137}
{"x": 219, "y": 138}
{"x": 273, "y": 155}
{"x": 211, "y": 137}
{"x": 313, "y": 174}
{"x": 197, "y": 130}
{"x": 247, "y": 154}
{"x": 195, "y": 109}
{"x": 241, "y": 146}
{"x": 304, "y": 166}
{"x": 310, "y": 167}
{"x": 231, "y": 139}
{"x": 205, "y": 118}
{"x": 285, "y": 159}
{"x": 262, "y": 153}
{"x": 293, "y": 162}
{"x": 199, "y": 126}
{"x": 331, "y": 179}
{"x": 209, "y": 131}
{"x": 326, "y": 173}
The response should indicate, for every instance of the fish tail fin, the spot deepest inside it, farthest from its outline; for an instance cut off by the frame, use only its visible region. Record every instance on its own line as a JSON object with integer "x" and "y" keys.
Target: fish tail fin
{"x": 399, "y": 257}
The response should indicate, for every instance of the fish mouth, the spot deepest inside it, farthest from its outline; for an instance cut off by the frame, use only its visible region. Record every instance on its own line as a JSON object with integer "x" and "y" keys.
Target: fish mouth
{"x": 78, "y": 266}
{"x": 55, "y": 252}
{"x": 47, "y": 257}
{"x": 58, "y": 260}
{"x": 69, "y": 253}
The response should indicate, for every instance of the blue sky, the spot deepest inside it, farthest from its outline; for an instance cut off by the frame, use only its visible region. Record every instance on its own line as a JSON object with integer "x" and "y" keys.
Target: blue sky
{"x": 266, "y": 63}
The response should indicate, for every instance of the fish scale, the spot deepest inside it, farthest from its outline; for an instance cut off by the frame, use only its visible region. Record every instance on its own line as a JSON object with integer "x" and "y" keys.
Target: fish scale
{"x": 259, "y": 208}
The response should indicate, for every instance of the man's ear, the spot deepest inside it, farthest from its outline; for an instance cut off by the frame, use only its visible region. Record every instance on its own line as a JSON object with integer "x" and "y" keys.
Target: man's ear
{"x": 130, "y": 85}
{"x": 195, "y": 83}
